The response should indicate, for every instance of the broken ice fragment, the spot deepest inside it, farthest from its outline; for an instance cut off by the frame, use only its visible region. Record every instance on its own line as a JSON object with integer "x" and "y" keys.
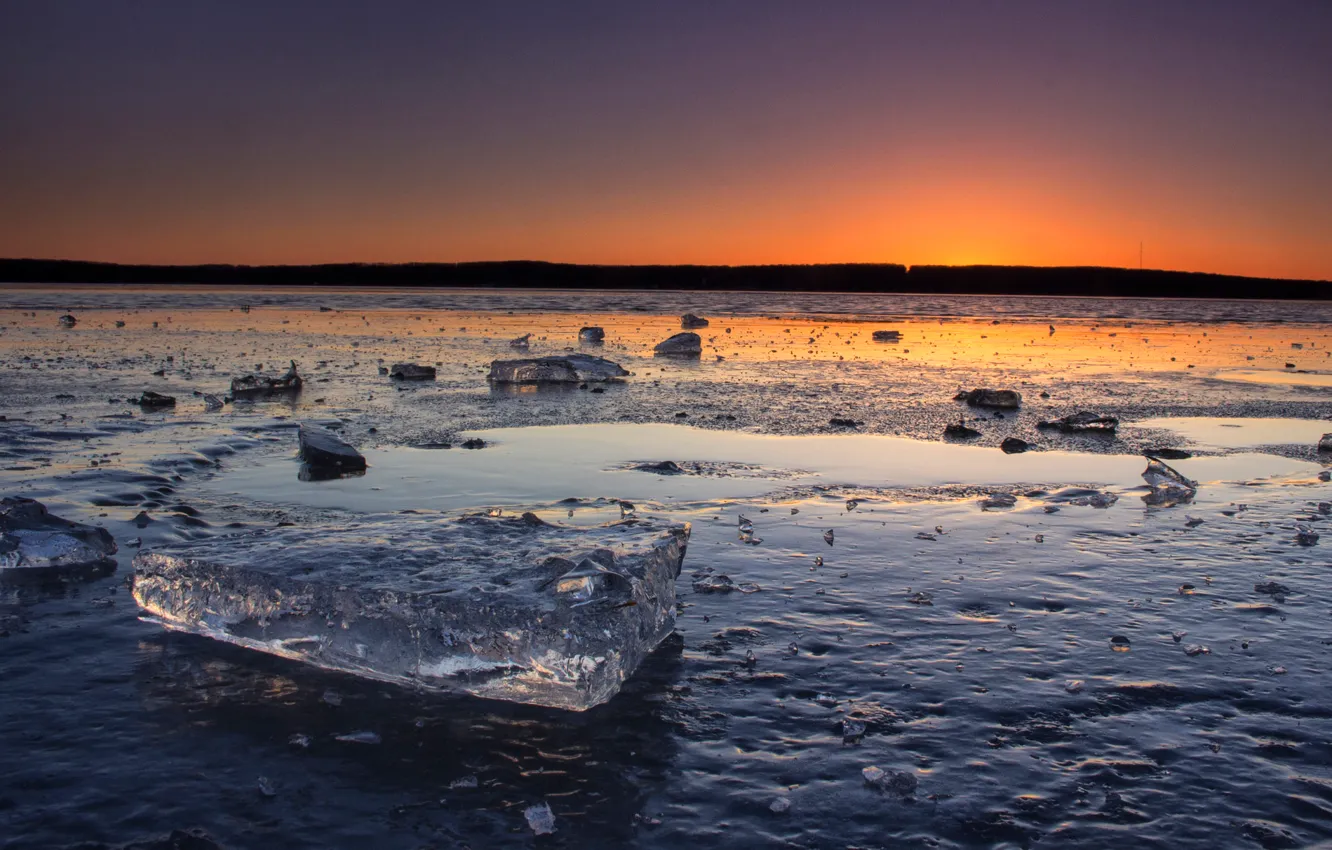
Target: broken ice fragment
{"x": 591, "y": 334}
{"x": 685, "y": 344}
{"x": 33, "y": 538}
{"x": 853, "y": 730}
{"x": 155, "y": 401}
{"x": 1003, "y": 399}
{"x": 322, "y": 449}
{"x": 828, "y": 537}
{"x": 540, "y": 819}
{"x": 362, "y": 737}
{"x": 1074, "y": 686}
{"x": 469, "y": 603}
{"x": 262, "y": 386}
{"x": 1305, "y": 536}
{"x": 1195, "y": 649}
{"x": 558, "y": 369}
{"x": 1082, "y": 423}
{"x": 1161, "y": 476}
{"x": 411, "y": 372}
{"x": 1119, "y": 643}
{"x": 779, "y": 806}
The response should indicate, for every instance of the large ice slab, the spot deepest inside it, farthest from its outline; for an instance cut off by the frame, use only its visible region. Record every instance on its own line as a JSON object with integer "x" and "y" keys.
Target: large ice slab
{"x": 501, "y": 607}
{"x": 33, "y": 538}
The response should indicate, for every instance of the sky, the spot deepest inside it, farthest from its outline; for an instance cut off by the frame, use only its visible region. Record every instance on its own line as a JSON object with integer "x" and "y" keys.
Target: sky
{"x": 1050, "y": 132}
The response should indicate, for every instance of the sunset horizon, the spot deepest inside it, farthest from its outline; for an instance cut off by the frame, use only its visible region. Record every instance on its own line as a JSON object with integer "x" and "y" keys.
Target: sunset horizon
{"x": 1028, "y": 134}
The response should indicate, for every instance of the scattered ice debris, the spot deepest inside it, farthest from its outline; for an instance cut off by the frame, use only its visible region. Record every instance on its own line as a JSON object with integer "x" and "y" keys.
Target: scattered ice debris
{"x": 464, "y": 783}
{"x": 1014, "y": 445}
{"x": 363, "y": 736}
{"x": 1082, "y": 423}
{"x": 894, "y": 781}
{"x": 886, "y": 336}
{"x": 1193, "y": 521}
{"x": 155, "y": 401}
{"x": 1325, "y": 475}
{"x": 1119, "y": 643}
{"x": 591, "y": 334}
{"x": 1325, "y": 443}
{"x": 68, "y": 321}
{"x": 540, "y": 819}
{"x": 1178, "y": 636}
{"x": 211, "y": 402}
{"x": 1186, "y": 589}
{"x": 839, "y": 422}
{"x": 920, "y": 597}
{"x": 262, "y": 386}
{"x": 828, "y": 537}
{"x": 1074, "y": 686}
{"x": 141, "y": 519}
{"x": 520, "y": 342}
{"x": 411, "y": 372}
{"x": 1003, "y": 399}
{"x": 686, "y": 344}
{"x": 473, "y": 443}
{"x": 299, "y": 740}
{"x": 925, "y": 535}
{"x": 33, "y": 538}
{"x": 322, "y": 449}
{"x": 996, "y": 501}
{"x": 959, "y": 431}
{"x": 332, "y": 697}
{"x": 1195, "y": 649}
{"x": 780, "y": 805}
{"x": 689, "y": 320}
{"x": 556, "y": 369}
{"x": 507, "y": 608}
{"x": 1305, "y": 536}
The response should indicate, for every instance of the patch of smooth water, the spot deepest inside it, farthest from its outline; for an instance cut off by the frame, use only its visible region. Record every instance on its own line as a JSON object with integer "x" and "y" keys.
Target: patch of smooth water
{"x": 1241, "y": 433}
{"x": 1276, "y": 377}
{"x": 548, "y": 463}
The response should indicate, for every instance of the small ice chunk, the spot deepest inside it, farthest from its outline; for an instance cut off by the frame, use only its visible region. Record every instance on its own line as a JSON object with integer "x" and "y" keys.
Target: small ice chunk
{"x": 779, "y": 806}
{"x": 363, "y": 736}
{"x": 1161, "y": 476}
{"x": 686, "y": 344}
{"x": 540, "y": 818}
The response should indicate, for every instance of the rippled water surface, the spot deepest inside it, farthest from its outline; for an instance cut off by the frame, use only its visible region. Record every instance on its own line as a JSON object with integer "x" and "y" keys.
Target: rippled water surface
{"x": 1087, "y": 667}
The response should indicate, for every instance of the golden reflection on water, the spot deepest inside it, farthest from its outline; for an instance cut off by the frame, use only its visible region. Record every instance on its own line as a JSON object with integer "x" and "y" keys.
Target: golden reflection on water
{"x": 1254, "y": 352}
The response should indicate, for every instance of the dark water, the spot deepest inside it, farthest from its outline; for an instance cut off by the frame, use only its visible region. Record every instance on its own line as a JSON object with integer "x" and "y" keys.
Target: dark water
{"x": 980, "y": 662}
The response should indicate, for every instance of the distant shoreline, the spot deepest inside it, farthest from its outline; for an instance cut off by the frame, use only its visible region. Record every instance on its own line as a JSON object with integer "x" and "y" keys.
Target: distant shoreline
{"x": 841, "y": 277}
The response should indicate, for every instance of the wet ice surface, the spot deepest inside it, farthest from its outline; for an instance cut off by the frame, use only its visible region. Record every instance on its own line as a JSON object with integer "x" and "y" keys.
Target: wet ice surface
{"x": 973, "y": 650}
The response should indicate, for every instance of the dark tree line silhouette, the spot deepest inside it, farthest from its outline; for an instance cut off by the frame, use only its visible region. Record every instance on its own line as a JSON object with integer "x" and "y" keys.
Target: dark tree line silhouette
{"x": 840, "y": 277}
